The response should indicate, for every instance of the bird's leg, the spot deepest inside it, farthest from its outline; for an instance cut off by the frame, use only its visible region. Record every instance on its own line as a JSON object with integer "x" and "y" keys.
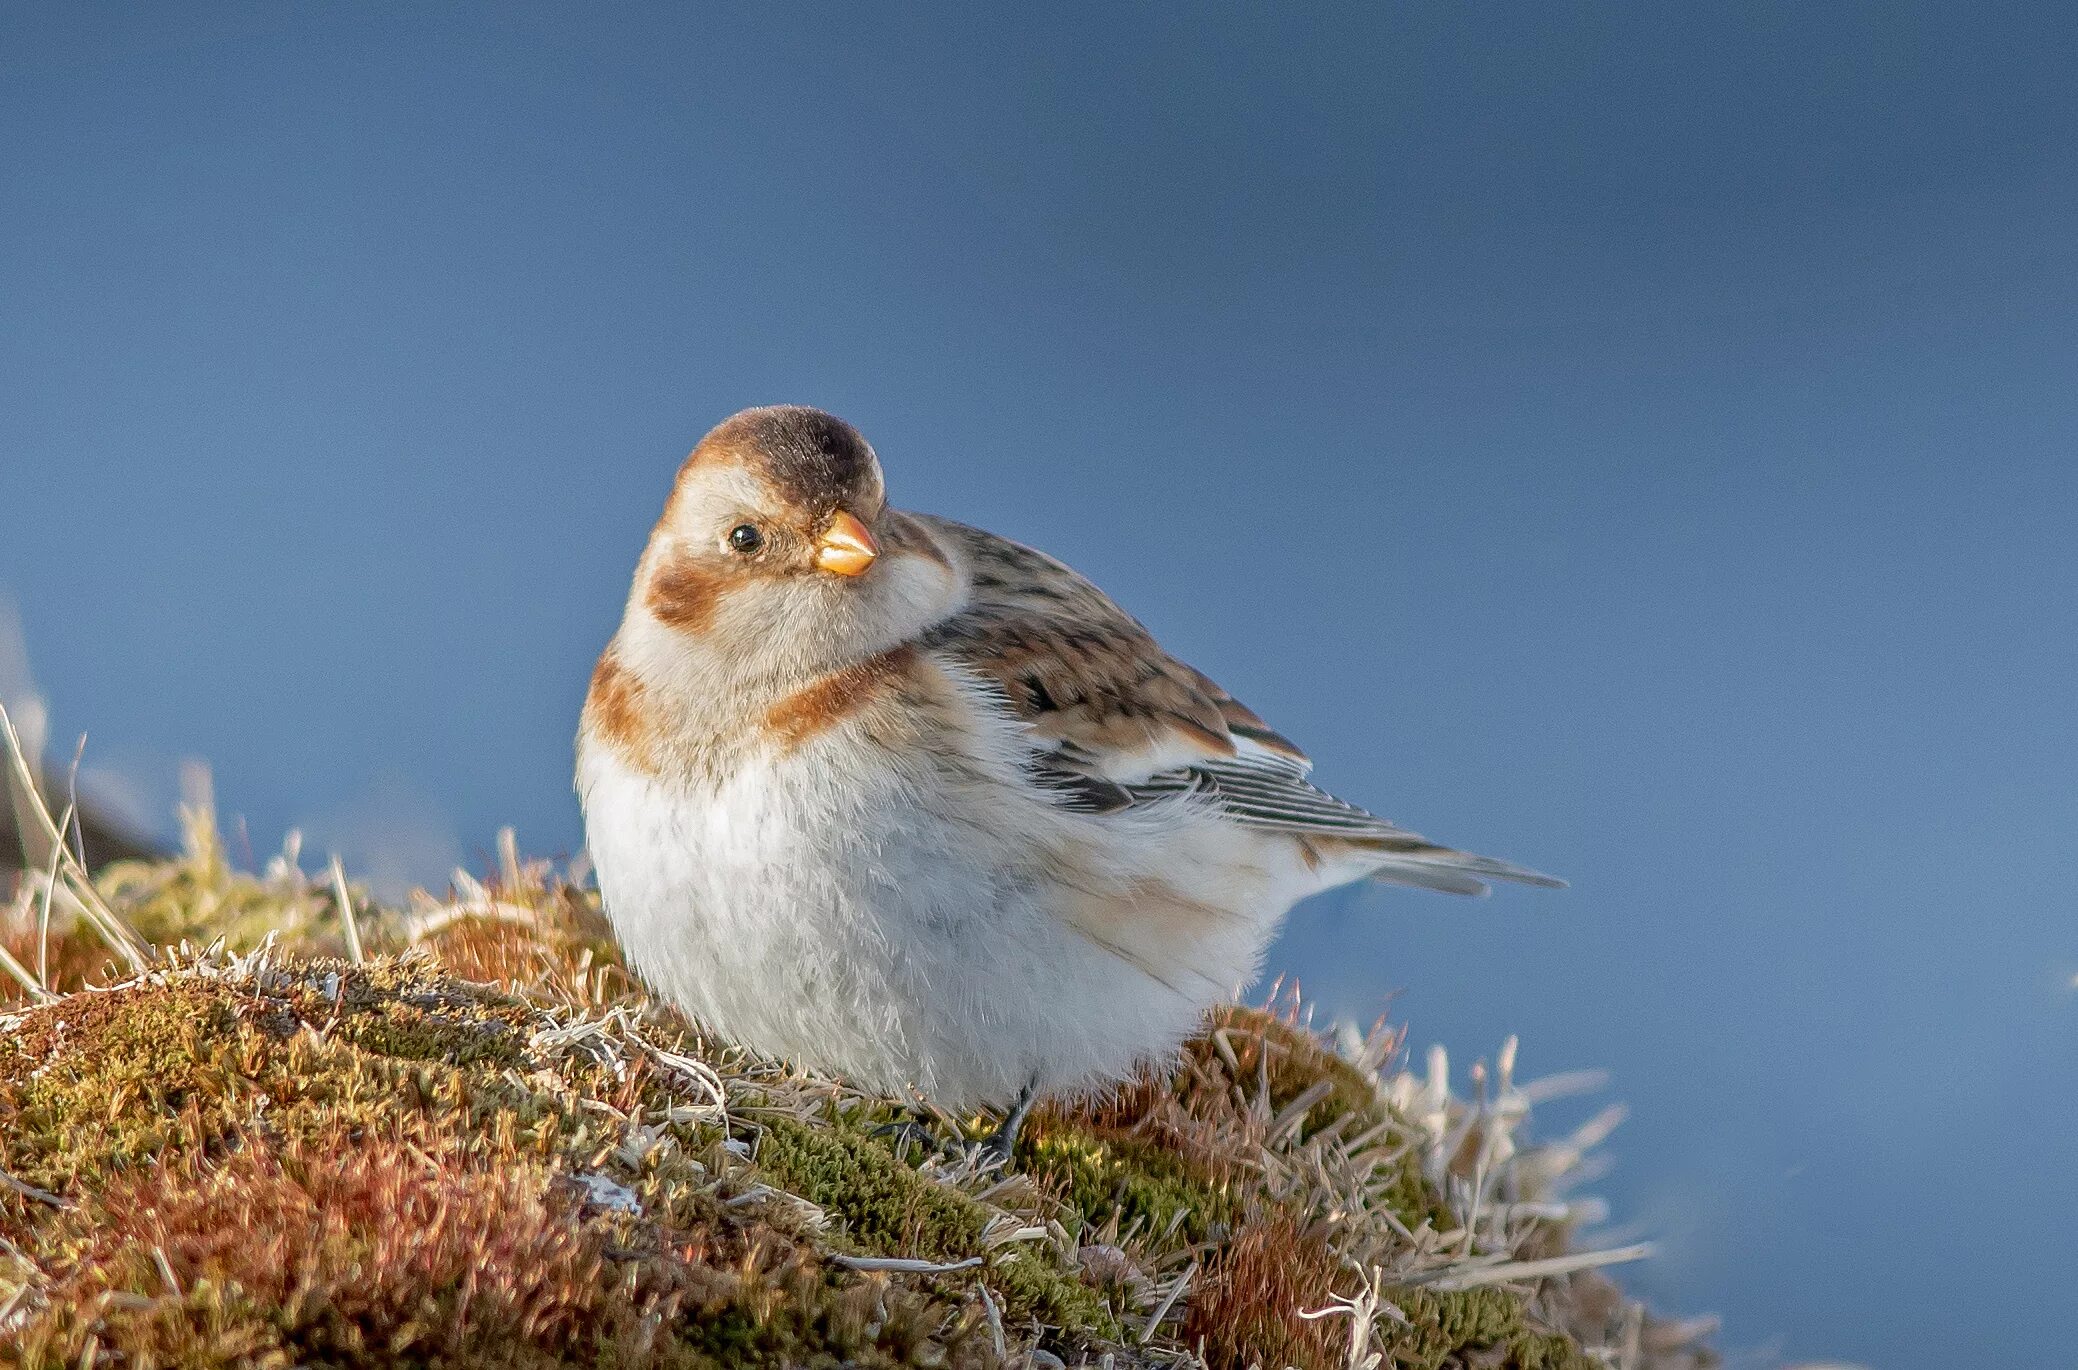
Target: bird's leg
{"x": 912, "y": 1129}
{"x": 909, "y": 1132}
{"x": 1001, "y": 1144}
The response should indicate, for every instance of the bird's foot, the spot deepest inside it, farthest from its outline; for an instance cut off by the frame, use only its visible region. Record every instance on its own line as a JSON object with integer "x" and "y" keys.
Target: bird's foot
{"x": 902, "y": 1134}
{"x": 992, "y": 1152}
{"x": 1000, "y": 1146}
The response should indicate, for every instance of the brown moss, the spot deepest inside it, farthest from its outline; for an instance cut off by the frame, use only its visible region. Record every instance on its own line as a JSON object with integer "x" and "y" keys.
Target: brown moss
{"x": 347, "y": 1169}
{"x": 303, "y": 1161}
{"x": 71, "y": 957}
{"x": 1245, "y": 1310}
{"x": 388, "y": 1256}
{"x": 568, "y": 955}
{"x": 374, "y": 1252}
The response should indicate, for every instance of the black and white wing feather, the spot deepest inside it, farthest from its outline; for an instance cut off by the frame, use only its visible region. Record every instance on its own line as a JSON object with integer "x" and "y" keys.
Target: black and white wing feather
{"x": 1123, "y": 723}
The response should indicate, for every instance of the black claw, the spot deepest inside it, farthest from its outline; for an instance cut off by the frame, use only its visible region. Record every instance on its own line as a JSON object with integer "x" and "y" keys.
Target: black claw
{"x": 1001, "y": 1145}
{"x": 909, "y": 1132}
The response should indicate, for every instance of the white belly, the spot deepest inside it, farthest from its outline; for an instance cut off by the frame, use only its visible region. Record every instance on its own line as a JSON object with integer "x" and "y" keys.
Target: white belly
{"x": 854, "y": 921}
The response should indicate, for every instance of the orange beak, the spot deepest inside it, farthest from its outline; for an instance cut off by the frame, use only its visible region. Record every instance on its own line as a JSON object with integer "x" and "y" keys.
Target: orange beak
{"x": 845, "y": 548}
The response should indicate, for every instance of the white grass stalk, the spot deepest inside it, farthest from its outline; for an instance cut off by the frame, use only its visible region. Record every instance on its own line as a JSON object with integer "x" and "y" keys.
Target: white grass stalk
{"x": 347, "y": 924}
{"x": 25, "y": 977}
{"x": 121, "y": 938}
{"x": 902, "y": 1265}
{"x": 1460, "y": 1277}
{"x": 43, "y": 906}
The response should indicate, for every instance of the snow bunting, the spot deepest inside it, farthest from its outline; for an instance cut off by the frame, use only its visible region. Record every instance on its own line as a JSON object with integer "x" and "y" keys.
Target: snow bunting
{"x": 897, "y": 798}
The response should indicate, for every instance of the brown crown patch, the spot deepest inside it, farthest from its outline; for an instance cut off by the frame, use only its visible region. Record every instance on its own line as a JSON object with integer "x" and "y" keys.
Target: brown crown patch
{"x": 816, "y": 462}
{"x": 819, "y": 707}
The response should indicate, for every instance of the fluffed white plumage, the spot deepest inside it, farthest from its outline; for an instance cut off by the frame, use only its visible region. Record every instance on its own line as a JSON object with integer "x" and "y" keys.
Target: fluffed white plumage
{"x": 893, "y": 797}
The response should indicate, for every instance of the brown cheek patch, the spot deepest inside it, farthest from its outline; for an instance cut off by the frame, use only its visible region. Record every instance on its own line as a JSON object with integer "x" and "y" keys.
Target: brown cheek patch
{"x": 836, "y": 697}
{"x": 683, "y": 594}
{"x": 614, "y": 708}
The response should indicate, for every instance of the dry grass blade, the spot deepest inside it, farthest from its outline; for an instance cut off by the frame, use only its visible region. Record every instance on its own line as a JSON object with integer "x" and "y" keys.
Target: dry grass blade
{"x": 347, "y": 926}
{"x": 30, "y": 1191}
{"x": 34, "y": 984}
{"x": 1363, "y": 1309}
{"x": 106, "y": 921}
{"x": 995, "y": 1321}
{"x": 50, "y": 890}
{"x": 1168, "y": 1303}
{"x": 902, "y": 1265}
{"x": 26, "y": 978}
{"x": 1503, "y": 1272}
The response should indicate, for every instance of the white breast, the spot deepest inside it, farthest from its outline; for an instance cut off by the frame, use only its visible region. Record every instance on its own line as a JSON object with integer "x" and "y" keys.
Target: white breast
{"x": 901, "y": 927}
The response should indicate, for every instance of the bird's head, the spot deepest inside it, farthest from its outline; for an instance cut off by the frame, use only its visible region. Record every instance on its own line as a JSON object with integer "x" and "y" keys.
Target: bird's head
{"x": 778, "y": 549}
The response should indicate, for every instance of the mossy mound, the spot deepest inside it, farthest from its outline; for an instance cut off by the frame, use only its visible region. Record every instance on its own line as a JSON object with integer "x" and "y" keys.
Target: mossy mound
{"x": 482, "y": 1145}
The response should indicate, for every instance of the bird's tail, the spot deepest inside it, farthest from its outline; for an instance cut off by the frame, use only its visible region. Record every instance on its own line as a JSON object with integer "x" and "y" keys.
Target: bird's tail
{"x": 1416, "y": 862}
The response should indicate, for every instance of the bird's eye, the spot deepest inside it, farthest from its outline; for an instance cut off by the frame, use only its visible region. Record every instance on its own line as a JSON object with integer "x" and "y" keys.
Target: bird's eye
{"x": 745, "y": 538}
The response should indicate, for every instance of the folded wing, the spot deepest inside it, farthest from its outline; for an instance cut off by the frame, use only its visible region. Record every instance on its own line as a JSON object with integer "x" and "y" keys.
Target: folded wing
{"x": 1123, "y": 723}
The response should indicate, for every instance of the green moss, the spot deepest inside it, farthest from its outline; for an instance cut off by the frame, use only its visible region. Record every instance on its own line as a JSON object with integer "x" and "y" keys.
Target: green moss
{"x": 887, "y": 1208}
{"x": 200, "y": 897}
{"x": 1441, "y": 1326}
{"x": 1290, "y": 1061}
{"x": 884, "y": 1205}
{"x": 1410, "y": 1196}
{"x": 799, "y": 1319}
{"x": 217, "y": 1116}
{"x": 443, "y": 1024}
{"x": 101, "y": 1083}
{"x": 1129, "y": 1177}
{"x": 202, "y": 1123}
{"x": 1296, "y": 1062}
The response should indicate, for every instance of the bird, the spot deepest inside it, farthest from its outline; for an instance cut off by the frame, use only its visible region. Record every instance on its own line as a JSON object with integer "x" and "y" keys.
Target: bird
{"x": 898, "y": 799}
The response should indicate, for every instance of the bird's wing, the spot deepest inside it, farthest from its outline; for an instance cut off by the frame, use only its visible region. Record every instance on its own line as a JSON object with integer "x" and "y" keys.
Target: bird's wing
{"x": 1121, "y": 722}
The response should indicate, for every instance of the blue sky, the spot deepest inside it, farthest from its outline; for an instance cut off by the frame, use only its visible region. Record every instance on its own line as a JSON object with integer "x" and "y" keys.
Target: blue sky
{"x": 1631, "y": 440}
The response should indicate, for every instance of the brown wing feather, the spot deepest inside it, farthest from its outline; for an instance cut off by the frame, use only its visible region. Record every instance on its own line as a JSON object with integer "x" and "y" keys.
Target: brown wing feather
{"x": 1076, "y": 667}
{"x": 1131, "y": 724}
